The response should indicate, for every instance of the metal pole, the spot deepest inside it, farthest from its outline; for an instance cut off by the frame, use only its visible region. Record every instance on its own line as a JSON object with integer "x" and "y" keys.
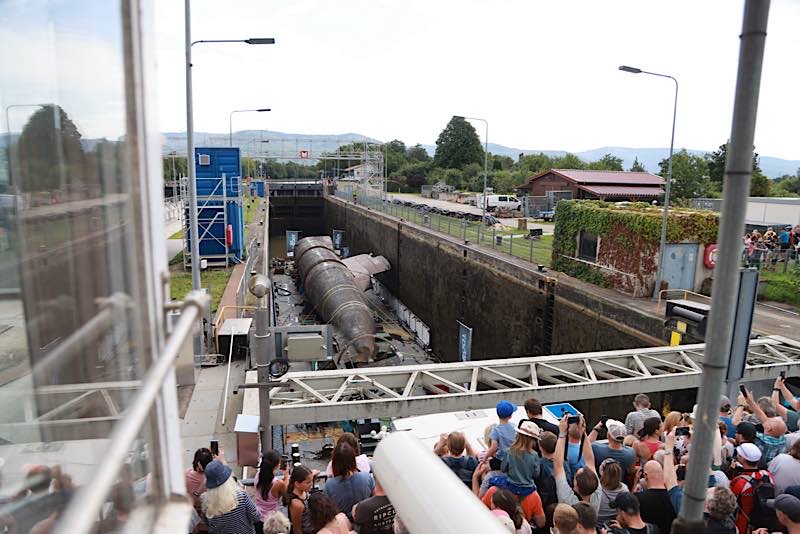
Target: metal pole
{"x": 510, "y": 242}
{"x": 665, "y": 215}
{"x": 485, "y": 170}
{"x": 736, "y": 188}
{"x": 530, "y": 259}
{"x": 194, "y": 238}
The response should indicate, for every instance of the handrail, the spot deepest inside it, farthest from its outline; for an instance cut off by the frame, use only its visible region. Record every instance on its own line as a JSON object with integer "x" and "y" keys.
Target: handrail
{"x": 84, "y": 507}
{"x": 685, "y": 292}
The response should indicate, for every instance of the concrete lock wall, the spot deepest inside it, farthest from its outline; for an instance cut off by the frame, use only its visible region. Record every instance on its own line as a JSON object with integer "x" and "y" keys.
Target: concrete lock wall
{"x": 514, "y": 310}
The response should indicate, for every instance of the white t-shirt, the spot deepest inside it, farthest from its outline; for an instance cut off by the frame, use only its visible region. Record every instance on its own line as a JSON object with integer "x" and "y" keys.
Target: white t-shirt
{"x": 785, "y": 471}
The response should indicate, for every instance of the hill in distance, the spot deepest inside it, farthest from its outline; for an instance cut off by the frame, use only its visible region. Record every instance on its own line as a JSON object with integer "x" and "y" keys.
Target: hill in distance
{"x": 280, "y": 143}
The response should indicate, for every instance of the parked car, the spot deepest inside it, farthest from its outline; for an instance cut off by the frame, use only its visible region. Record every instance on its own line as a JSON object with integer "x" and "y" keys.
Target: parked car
{"x": 493, "y": 202}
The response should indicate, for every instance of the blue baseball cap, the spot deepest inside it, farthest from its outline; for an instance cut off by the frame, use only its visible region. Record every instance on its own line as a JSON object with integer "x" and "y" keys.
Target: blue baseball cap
{"x": 217, "y": 474}
{"x": 505, "y": 409}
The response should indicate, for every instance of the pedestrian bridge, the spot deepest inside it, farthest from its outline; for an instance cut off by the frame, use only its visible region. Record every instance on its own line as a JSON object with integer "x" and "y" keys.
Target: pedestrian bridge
{"x": 322, "y": 396}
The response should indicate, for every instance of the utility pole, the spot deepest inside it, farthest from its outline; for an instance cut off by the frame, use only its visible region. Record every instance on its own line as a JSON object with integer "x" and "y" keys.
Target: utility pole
{"x": 725, "y": 288}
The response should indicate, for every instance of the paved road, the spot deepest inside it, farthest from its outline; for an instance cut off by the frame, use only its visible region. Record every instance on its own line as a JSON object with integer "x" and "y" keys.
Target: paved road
{"x": 444, "y": 204}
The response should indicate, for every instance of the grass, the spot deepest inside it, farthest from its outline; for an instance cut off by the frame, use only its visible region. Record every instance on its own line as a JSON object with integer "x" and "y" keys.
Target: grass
{"x": 250, "y": 210}
{"x": 782, "y": 287}
{"x": 177, "y": 235}
{"x": 215, "y": 279}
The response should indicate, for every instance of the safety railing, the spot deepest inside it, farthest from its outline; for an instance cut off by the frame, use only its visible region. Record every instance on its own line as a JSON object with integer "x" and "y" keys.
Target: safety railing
{"x": 685, "y": 292}
{"x": 85, "y": 506}
{"x": 517, "y": 243}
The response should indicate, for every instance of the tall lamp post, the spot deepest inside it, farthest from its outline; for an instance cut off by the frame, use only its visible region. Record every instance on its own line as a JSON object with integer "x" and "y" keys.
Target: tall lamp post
{"x": 665, "y": 215}
{"x": 193, "y": 231}
{"x": 230, "y": 120}
{"x": 485, "y": 161}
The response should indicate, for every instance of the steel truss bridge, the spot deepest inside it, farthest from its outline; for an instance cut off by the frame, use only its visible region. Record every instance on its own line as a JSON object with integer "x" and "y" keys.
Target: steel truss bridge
{"x": 322, "y": 396}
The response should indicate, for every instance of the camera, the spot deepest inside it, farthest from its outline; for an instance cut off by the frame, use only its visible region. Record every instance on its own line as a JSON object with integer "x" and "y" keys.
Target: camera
{"x": 683, "y": 431}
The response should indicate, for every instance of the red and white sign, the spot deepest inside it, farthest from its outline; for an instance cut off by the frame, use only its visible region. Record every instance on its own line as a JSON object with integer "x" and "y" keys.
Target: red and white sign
{"x": 304, "y": 154}
{"x": 710, "y": 256}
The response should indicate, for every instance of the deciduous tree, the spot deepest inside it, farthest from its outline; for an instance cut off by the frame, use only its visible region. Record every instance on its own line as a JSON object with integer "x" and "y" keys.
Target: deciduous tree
{"x": 458, "y": 145}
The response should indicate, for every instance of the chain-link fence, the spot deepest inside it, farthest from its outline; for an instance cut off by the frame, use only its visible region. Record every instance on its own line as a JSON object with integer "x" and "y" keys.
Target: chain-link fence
{"x": 517, "y": 243}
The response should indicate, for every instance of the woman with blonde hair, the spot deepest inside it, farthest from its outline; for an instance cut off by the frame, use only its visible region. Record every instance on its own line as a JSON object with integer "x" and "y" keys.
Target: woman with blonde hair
{"x": 226, "y": 506}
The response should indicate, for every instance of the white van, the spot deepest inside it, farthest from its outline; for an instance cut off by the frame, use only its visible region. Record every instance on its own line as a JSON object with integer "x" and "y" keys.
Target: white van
{"x": 506, "y": 202}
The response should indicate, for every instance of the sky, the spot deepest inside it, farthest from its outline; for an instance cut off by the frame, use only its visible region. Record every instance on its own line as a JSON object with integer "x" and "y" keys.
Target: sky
{"x": 543, "y": 74}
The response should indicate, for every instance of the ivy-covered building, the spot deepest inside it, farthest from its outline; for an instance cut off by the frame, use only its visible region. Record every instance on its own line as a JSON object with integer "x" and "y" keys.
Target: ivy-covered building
{"x": 617, "y": 245}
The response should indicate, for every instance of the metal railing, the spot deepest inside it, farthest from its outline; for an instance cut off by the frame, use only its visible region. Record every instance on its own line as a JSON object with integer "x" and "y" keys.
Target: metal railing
{"x": 537, "y": 250}
{"x": 84, "y": 507}
{"x": 685, "y": 292}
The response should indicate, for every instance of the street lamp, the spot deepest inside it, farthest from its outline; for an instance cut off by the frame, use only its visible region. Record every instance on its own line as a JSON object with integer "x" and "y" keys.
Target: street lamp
{"x": 485, "y": 161}
{"x": 230, "y": 120}
{"x": 193, "y": 231}
{"x": 665, "y": 216}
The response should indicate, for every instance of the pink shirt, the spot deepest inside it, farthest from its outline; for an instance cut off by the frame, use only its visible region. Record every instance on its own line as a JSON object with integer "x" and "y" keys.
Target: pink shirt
{"x": 271, "y": 503}
{"x": 195, "y": 486}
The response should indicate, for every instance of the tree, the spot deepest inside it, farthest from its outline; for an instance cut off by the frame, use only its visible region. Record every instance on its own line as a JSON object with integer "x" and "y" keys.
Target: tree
{"x": 568, "y": 161}
{"x": 606, "y": 163}
{"x": 500, "y": 163}
{"x": 49, "y": 152}
{"x": 637, "y": 167}
{"x": 174, "y": 167}
{"x": 689, "y": 175}
{"x": 395, "y": 156}
{"x": 759, "y": 184}
{"x": 535, "y": 163}
{"x": 417, "y": 153}
{"x": 716, "y": 170}
{"x": 458, "y": 145}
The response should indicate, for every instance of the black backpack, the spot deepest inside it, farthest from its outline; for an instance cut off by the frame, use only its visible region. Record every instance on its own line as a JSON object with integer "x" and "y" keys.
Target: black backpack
{"x": 762, "y": 515}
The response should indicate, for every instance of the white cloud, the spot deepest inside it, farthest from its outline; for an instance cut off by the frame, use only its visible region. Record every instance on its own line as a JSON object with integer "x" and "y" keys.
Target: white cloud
{"x": 543, "y": 73}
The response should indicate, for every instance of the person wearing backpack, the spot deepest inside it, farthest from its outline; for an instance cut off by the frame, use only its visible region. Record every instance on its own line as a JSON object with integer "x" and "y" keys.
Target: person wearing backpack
{"x": 752, "y": 488}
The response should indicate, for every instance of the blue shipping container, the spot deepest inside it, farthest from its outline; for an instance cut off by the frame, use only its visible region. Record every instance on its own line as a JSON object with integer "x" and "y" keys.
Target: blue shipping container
{"x": 211, "y": 164}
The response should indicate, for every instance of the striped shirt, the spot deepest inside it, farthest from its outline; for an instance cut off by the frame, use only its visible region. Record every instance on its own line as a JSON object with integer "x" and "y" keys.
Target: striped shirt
{"x": 635, "y": 420}
{"x": 240, "y": 520}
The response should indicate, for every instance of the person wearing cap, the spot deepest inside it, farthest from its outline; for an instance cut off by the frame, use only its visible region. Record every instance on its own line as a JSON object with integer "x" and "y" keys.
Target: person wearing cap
{"x": 585, "y": 485}
{"x": 787, "y": 509}
{"x": 521, "y": 464}
{"x": 227, "y": 507}
{"x": 613, "y": 447}
{"x": 634, "y": 421}
{"x": 748, "y": 456}
{"x": 504, "y": 434}
{"x": 628, "y": 515}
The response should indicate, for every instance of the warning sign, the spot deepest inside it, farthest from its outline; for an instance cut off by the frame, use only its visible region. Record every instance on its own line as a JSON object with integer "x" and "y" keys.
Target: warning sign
{"x": 304, "y": 154}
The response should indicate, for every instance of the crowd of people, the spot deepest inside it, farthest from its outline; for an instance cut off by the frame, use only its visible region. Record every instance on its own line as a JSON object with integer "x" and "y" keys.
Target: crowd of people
{"x": 286, "y": 500}
{"x": 771, "y": 247}
{"x": 534, "y": 476}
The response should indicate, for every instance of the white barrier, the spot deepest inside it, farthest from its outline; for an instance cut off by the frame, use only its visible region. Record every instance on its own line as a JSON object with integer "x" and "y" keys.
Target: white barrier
{"x": 427, "y": 495}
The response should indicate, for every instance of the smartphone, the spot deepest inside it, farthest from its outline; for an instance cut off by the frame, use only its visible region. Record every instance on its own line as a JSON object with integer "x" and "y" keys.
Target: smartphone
{"x": 682, "y": 431}
{"x": 604, "y": 419}
{"x": 742, "y": 390}
{"x": 680, "y": 472}
{"x": 214, "y": 447}
{"x": 284, "y": 461}
{"x": 783, "y": 375}
{"x": 573, "y": 419}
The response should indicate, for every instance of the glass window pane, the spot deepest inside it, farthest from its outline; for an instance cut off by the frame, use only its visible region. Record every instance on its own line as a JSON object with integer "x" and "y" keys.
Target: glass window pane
{"x": 71, "y": 333}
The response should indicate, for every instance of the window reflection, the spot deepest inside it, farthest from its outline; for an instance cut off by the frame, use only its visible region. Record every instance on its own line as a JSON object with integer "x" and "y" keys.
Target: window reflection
{"x": 71, "y": 305}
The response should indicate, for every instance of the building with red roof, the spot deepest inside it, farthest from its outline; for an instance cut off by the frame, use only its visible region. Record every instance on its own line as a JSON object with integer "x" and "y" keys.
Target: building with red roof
{"x": 596, "y": 185}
